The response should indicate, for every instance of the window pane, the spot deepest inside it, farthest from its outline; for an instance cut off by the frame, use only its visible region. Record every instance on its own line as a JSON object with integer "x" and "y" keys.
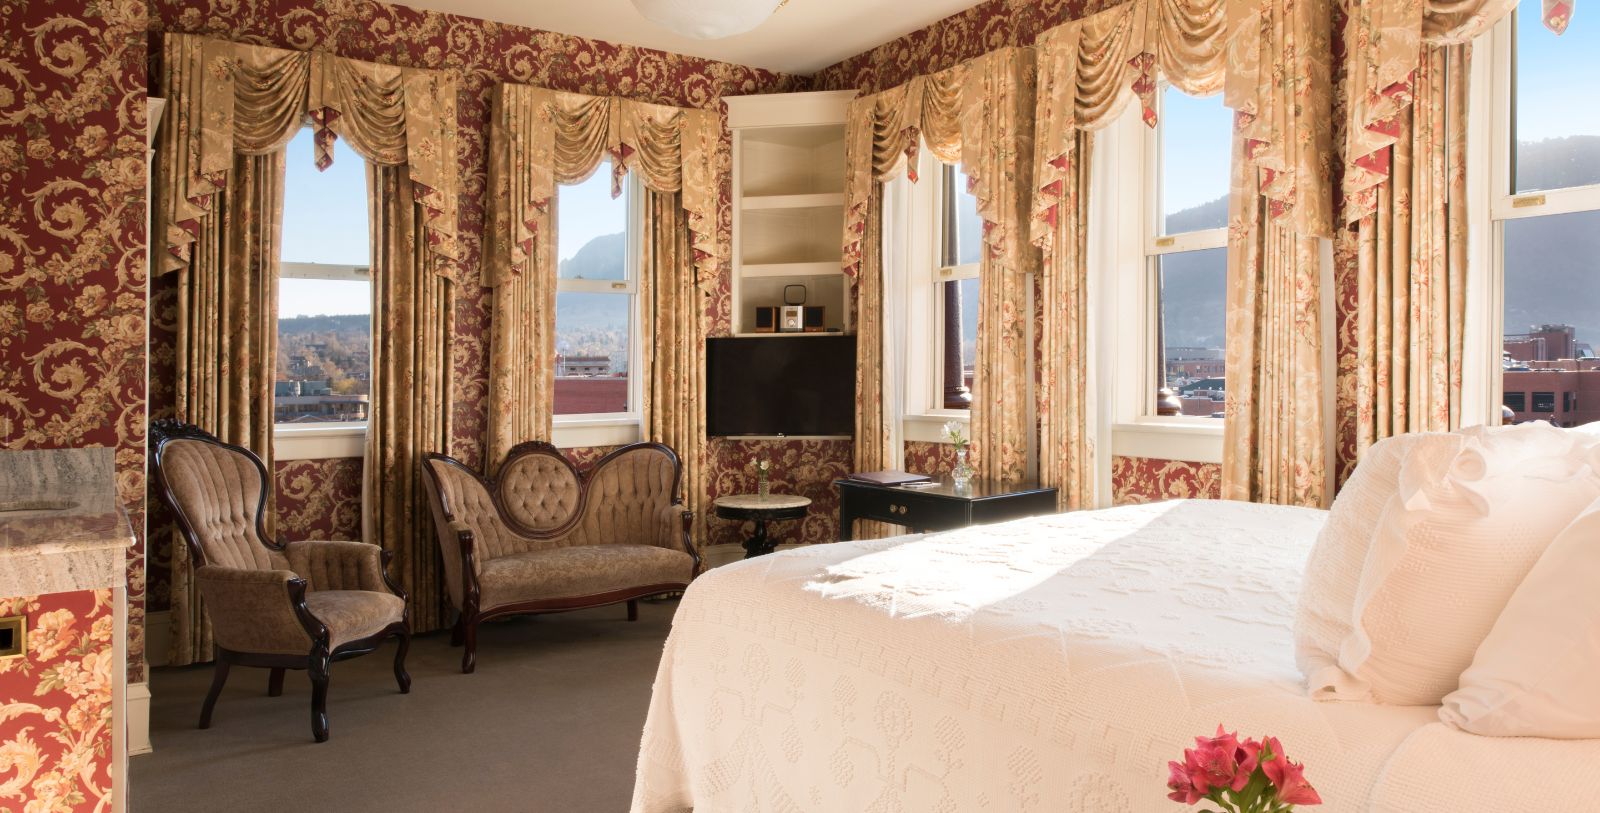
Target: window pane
{"x": 593, "y": 334}
{"x": 1557, "y": 135}
{"x": 1195, "y": 159}
{"x": 591, "y": 238}
{"x": 1192, "y": 298}
{"x": 959, "y": 332}
{"x": 963, "y": 229}
{"x": 1552, "y": 318}
{"x": 324, "y": 361}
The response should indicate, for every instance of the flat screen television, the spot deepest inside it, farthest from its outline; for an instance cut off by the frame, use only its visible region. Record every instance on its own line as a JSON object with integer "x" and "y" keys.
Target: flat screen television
{"x": 781, "y": 385}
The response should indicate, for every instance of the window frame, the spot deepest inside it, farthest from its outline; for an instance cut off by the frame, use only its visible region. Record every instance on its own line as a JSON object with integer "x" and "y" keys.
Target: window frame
{"x": 332, "y": 439}
{"x": 943, "y": 218}
{"x": 1126, "y": 221}
{"x": 611, "y": 428}
{"x": 1491, "y": 203}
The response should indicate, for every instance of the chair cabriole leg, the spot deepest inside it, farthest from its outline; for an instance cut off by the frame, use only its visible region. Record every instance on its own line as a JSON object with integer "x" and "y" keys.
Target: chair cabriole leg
{"x": 400, "y": 675}
{"x": 218, "y": 678}
{"x": 469, "y": 658}
{"x": 319, "y": 695}
{"x": 275, "y": 683}
{"x": 633, "y": 610}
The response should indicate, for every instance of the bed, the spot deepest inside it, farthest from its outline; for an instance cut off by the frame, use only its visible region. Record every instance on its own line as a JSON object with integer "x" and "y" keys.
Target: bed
{"x": 1049, "y": 664}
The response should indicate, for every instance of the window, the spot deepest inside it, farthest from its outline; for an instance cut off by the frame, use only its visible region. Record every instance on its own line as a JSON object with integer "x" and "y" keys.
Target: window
{"x": 1186, "y": 253}
{"x": 324, "y": 361}
{"x": 1544, "y": 190}
{"x": 596, "y": 299}
{"x": 960, "y": 243}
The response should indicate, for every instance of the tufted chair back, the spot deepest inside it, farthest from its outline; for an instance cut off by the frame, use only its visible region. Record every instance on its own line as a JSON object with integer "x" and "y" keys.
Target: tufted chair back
{"x": 538, "y": 489}
{"x": 217, "y": 491}
{"x": 625, "y": 495}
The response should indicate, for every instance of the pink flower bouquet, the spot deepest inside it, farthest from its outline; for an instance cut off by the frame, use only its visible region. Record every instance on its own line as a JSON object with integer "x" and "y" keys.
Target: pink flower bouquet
{"x": 1240, "y": 776}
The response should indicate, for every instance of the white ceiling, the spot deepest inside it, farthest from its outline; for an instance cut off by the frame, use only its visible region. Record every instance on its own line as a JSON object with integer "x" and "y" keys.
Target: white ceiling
{"x": 802, "y": 37}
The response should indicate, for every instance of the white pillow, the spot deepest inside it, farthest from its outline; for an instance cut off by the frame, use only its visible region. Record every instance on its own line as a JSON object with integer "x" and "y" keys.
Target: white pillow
{"x": 1326, "y": 611}
{"x": 1536, "y": 674}
{"x": 1451, "y": 547}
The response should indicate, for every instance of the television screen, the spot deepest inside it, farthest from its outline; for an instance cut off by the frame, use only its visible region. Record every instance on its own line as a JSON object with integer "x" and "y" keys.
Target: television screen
{"x": 781, "y": 385}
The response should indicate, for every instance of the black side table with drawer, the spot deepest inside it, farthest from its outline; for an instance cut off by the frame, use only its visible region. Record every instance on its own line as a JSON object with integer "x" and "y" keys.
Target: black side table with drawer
{"x": 940, "y": 507}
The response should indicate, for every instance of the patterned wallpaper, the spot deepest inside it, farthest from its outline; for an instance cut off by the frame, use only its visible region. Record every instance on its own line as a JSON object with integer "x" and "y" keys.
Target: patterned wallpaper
{"x": 72, "y": 242}
{"x": 56, "y": 705}
{"x": 1141, "y": 479}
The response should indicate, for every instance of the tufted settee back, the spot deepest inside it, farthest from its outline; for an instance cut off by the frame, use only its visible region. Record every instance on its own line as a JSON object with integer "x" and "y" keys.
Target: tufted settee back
{"x": 625, "y": 495}
{"x": 538, "y": 489}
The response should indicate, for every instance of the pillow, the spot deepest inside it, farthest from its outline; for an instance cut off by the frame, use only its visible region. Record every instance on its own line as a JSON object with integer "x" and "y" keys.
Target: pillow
{"x": 1325, "y": 614}
{"x": 1452, "y": 545}
{"x": 1535, "y": 675}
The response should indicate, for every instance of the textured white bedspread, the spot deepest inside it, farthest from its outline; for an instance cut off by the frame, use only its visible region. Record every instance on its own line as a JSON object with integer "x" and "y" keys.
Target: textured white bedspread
{"x": 1050, "y": 664}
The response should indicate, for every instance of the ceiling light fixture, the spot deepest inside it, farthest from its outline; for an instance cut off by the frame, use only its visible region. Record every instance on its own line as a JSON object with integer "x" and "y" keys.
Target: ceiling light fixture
{"x": 708, "y": 19}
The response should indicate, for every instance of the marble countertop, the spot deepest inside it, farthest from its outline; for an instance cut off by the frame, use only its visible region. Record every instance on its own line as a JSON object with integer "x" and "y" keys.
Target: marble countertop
{"x": 59, "y": 501}
{"x": 757, "y": 502}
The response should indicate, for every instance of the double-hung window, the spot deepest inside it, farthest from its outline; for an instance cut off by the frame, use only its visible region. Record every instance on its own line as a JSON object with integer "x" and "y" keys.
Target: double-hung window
{"x": 323, "y": 370}
{"x": 1543, "y": 224}
{"x": 597, "y": 312}
{"x": 933, "y": 240}
{"x": 1186, "y": 254}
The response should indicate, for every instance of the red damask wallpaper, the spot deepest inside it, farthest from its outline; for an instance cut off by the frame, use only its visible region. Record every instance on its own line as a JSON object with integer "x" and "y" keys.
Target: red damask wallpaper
{"x": 56, "y": 705}
{"x": 935, "y": 459}
{"x": 1141, "y": 479}
{"x": 72, "y": 242}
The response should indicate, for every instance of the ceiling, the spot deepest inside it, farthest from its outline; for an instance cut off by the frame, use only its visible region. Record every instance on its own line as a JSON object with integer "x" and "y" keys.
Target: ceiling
{"x": 802, "y": 37}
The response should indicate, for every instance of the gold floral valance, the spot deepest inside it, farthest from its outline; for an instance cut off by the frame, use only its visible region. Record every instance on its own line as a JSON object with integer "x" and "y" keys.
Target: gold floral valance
{"x": 1268, "y": 58}
{"x": 539, "y": 138}
{"x": 1384, "y": 43}
{"x": 978, "y": 114}
{"x": 231, "y": 98}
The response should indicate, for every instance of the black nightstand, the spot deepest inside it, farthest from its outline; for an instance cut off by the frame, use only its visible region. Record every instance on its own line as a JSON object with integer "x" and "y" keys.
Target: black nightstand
{"x": 940, "y": 507}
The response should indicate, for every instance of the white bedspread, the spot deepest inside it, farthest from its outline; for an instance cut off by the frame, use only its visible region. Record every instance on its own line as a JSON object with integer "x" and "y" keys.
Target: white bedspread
{"x": 1051, "y": 664}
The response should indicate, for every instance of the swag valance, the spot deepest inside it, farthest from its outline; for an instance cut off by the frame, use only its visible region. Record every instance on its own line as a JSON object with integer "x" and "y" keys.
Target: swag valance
{"x": 978, "y": 113}
{"x": 540, "y": 138}
{"x": 231, "y": 98}
{"x": 1268, "y": 57}
{"x": 1385, "y": 43}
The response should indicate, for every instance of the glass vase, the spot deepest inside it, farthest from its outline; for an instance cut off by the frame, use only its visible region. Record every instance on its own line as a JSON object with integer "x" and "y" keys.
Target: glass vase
{"x": 961, "y": 475}
{"x": 763, "y": 487}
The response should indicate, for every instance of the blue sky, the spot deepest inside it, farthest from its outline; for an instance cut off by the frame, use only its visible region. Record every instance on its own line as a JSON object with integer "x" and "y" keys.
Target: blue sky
{"x": 324, "y": 221}
{"x": 585, "y": 211}
{"x": 1196, "y": 154}
{"x": 1556, "y": 76}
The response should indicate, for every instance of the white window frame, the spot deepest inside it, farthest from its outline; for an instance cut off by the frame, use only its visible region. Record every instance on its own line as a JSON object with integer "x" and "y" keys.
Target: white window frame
{"x": 913, "y": 236}
{"x": 333, "y": 439}
{"x": 1126, "y": 220}
{"x": 613, "y": 428}
{"x": 1490, "y": 203}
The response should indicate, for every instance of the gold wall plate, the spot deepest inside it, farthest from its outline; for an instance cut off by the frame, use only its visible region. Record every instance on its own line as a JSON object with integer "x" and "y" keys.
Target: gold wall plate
{"x": 13, "y": 637}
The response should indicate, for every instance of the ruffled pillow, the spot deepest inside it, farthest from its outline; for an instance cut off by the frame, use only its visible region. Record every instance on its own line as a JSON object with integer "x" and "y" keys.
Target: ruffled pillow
{"x": 1535, "y": 675}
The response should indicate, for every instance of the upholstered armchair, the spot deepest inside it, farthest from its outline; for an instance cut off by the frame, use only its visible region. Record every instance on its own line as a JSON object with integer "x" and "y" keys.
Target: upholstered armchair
{"x": 277, "y": 605}
{"x": 540, "y": 537}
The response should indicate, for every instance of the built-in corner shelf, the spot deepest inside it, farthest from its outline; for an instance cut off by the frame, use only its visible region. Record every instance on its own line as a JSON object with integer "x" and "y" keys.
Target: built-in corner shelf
{"x": 788, "y": 203}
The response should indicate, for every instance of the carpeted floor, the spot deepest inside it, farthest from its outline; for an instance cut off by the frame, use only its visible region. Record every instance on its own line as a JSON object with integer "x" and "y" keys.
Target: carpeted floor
{"x": 551, "y": 721}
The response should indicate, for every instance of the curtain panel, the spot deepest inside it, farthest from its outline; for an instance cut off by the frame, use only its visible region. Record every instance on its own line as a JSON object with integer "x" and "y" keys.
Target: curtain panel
{"x": 1066, "y": 408}
{"x": 230, "y": 98}
{"x": 1411, "y": 264}
{"x": 541, "y": 138}
{"x": 1384, "y": 43}
{"x": 979, "y": 114}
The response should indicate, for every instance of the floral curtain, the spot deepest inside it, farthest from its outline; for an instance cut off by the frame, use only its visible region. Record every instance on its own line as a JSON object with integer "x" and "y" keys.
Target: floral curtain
{"x": 540, "y": 138}
{"x": 672, "y": 315}
{"x": 980, "y": 114}
{"x": 229, "y": 98}
{"x": 1273, "y": 447}
{"x": 1065, "y": 404}
{"x": 1411, "y": 264}
{"x": 1384, "y": 46}
{"x": 414, "y": 310}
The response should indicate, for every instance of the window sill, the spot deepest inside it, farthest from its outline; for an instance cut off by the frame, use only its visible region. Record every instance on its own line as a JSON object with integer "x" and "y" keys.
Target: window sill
{"x": 1194, "y": 440}
{"x": 929, "y": 428}
{"x": 292, "y": 442}
{"x": 573, "y": 433}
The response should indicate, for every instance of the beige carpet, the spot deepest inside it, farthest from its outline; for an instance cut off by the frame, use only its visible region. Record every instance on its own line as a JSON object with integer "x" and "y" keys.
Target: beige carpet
{"x": 551, "y": 721}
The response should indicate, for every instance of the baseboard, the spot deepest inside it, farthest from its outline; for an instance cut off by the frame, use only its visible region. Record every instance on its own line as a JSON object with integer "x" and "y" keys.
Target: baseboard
{"x": 138, "y": 706}
{"x": 157, "y": 637}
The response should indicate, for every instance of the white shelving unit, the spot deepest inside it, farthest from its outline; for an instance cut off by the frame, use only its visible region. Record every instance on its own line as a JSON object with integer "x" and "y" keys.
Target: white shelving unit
{"x": 788, "y": 203}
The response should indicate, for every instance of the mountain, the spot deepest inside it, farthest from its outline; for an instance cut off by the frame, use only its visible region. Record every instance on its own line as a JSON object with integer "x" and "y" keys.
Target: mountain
{"x": 1194, "y": 284}
{"x": 1552, "y": 263}
{"x": 600, "y": 258}
{"x": 358, "y": 323}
